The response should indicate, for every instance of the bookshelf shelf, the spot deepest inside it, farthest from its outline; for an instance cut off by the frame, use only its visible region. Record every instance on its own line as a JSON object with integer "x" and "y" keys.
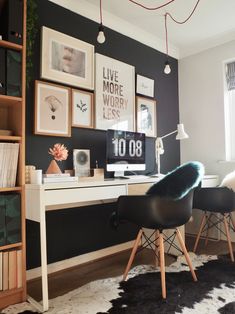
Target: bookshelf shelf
{"x": 10, "y": 138}
{"x": 9, "y": 100}
{"x": 10, "y": 246}
{"x": 9, "y": 45}
{"x": 14, "y": 189}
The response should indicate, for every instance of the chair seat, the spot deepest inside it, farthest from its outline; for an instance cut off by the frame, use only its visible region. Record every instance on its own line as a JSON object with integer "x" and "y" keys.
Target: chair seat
{"x": 155, "y": 212}
{"x": 215, "y": 199}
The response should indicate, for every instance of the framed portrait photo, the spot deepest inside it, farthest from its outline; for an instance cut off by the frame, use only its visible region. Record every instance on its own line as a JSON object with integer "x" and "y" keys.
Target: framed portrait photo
{"x": 66, "y": 59}
{"x": 146, "y": 116}
{"x": 144, "y": 86}
{"x": 52, "y": 109}
{"x": 115, "y": 94}
{"x": 82, "y": 109}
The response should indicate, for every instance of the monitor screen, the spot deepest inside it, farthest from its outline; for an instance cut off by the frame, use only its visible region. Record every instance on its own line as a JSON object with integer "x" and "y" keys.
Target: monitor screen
{"x": 125, "y": 151}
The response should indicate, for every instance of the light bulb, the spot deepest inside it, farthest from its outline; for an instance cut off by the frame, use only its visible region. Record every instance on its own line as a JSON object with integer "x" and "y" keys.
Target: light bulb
{"x": 101, "y": 37}
{"x": 167, "y": 69}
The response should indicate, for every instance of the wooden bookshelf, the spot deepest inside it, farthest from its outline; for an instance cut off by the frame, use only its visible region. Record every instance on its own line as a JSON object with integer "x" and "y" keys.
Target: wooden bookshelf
{"x": 11, "y": 246}
{"x": 12, "y": 117}
{"x": 15, "y": 189}
{"x": 9, "y": 45}
{"x": 6, "y": 138}
{"x": 10, "y": 100}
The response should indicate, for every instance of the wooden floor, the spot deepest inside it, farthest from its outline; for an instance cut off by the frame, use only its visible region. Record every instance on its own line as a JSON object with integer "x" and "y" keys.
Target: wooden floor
{"x": 65, "y": 281}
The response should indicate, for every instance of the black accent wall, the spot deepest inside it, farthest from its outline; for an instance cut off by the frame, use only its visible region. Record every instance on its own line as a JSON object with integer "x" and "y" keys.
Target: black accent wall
{"x": 80, "y": 230}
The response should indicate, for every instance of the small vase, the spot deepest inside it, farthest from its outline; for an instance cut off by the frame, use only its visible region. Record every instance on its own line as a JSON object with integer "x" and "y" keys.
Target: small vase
{"x": 53, "y": 167}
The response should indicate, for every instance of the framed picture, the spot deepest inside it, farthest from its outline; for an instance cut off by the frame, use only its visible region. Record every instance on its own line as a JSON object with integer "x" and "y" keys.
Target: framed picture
{"x": 66, "y": 59}
{"x": 82, "y": 109}
{"x": 115, "y": 94}
{"x": 52, "y": 109}
{"x": 144, "y": 86}
{"x": 146, "y": 116}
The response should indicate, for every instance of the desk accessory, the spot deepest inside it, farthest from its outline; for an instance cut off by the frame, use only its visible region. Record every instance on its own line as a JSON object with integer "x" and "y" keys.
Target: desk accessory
{"x": 81, "y": 162}
{"x": 36, "y": 176}
{"x": 59, "y": 152}
{"x": 96, "y": 174}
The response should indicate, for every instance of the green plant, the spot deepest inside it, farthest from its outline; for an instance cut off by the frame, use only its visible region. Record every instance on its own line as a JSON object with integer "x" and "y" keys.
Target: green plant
{"x": 32, "y": 29}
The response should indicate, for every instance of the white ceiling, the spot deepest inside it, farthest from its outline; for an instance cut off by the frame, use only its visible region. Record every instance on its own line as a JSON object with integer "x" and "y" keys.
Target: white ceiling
{"x": 212, "y": 24}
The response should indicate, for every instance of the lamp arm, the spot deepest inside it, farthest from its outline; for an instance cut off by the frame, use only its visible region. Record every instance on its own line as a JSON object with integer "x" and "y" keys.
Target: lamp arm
{"x": 169, "y": 134}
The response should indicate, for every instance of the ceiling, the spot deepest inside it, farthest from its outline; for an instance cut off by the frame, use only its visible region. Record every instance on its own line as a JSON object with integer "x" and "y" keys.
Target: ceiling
{"x": 212, "y": 24}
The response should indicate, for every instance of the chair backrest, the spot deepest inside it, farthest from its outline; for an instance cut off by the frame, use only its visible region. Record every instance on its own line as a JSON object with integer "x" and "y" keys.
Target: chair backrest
{"x": 177, "y": 183}
{"x": 168, "y": 203}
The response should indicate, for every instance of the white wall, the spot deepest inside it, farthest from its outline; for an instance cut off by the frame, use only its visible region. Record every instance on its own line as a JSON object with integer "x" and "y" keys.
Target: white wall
{"x": 201, "y": 103}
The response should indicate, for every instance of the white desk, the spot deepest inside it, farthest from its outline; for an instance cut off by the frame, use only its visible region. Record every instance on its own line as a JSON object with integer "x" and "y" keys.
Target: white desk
{"x": 41, "y": 198}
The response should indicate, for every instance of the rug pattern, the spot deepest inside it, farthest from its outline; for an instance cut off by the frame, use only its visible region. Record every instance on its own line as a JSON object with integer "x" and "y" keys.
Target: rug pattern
{"x": 141, "y": 293}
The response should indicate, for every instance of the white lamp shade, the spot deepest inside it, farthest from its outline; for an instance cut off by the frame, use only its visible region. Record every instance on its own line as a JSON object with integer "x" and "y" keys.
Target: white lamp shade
{"x": 181, "y": 134}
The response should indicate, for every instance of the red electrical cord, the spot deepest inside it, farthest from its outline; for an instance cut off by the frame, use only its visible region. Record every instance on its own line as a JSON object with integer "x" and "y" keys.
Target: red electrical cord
{"x": 151, "y": 9}
{"x": 165, "y": 16}
{"x": 184, "y": 21}
{"x": 101, "y": 17}
{"x": 178, "y": 22}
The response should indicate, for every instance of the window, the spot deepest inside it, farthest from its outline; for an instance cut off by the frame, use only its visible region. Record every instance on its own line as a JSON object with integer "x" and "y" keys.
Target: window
{"x": 230, "y": 110}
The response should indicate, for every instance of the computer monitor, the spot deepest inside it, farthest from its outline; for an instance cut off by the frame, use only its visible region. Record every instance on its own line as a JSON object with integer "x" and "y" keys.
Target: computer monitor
{"x": 125, "y": 151}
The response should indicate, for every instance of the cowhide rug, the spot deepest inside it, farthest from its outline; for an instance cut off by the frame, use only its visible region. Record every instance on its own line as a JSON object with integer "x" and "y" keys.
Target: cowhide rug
{"x": 141, "y": 293}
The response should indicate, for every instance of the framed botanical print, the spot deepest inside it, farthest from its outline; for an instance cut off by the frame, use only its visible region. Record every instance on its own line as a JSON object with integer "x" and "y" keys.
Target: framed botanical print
{"x": 146, "y": 116}
{"x": 52, "y": 109}
{"x": 82, "y": 109}
{"x": 115, "y": 94}
{"x": 66, "y": 59}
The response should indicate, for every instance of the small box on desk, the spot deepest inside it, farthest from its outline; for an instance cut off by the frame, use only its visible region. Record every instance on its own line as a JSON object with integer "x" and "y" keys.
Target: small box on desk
{"x": 96, "y": 174}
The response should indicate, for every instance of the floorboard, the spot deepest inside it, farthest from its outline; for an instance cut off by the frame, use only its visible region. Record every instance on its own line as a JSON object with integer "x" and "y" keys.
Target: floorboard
{"x": 67, "y": 280}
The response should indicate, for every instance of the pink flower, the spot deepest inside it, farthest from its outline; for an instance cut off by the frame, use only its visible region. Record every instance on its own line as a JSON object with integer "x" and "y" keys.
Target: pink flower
{"x": 59, "y": 152}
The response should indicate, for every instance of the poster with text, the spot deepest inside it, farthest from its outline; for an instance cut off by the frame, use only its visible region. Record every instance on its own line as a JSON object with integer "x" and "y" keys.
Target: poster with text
{"x": 115, "y": 94}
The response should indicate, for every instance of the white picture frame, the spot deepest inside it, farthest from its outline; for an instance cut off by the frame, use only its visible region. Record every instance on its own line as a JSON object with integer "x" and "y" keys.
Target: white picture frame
{"x": 146, "y": 116}
{"x": 66, "y": 59}
{"x": 144, "y": 86}
{"x": 115, "y": 94}
{"x": 52, "y": 109}
{"x": 82, "y": 109}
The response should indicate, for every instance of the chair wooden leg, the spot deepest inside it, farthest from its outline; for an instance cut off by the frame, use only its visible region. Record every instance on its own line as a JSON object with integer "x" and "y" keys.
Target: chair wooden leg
{"x": 207, "y": 231}
{"x": 228, "y": 238}
{"x": 183, "y": 247}
{"x": 133, "y": 252}
{"x": 156, "y": 248}
{"x": 199, "y": 232}
{"x": 162, "y": 265}
{"x": 232, "y": 220}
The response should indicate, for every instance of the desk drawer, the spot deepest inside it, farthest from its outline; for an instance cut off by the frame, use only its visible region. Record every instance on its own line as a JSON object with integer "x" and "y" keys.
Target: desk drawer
{"x": 66, "y": 196}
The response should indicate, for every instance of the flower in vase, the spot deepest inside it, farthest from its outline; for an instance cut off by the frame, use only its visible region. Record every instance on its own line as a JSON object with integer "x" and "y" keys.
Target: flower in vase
{"x": 59, "y": 152}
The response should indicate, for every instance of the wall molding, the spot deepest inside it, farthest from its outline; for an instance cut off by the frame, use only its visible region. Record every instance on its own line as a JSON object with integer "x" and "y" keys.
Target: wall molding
{"x": 79, "y": 260}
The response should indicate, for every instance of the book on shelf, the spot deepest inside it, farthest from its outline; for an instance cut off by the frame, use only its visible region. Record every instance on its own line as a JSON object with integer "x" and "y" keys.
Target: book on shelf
{"x": 12, "y": 269}
{"x": 19, "y": 269}
{"x": 60, "y": 179}
{"x": 5, "y": 271}
{"x": 56, "y": 175}
{"x": 1, "y": 272}
{"x": 8, "y": 164}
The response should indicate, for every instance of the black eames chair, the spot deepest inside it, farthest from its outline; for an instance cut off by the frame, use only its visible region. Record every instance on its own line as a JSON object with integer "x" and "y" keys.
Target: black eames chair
{"x": 167, "y": 205}
{"x": 217, "y": 203}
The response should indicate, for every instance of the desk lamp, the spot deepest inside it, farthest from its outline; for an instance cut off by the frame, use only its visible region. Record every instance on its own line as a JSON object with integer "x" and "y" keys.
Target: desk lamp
{"x": 181, "y": 135}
